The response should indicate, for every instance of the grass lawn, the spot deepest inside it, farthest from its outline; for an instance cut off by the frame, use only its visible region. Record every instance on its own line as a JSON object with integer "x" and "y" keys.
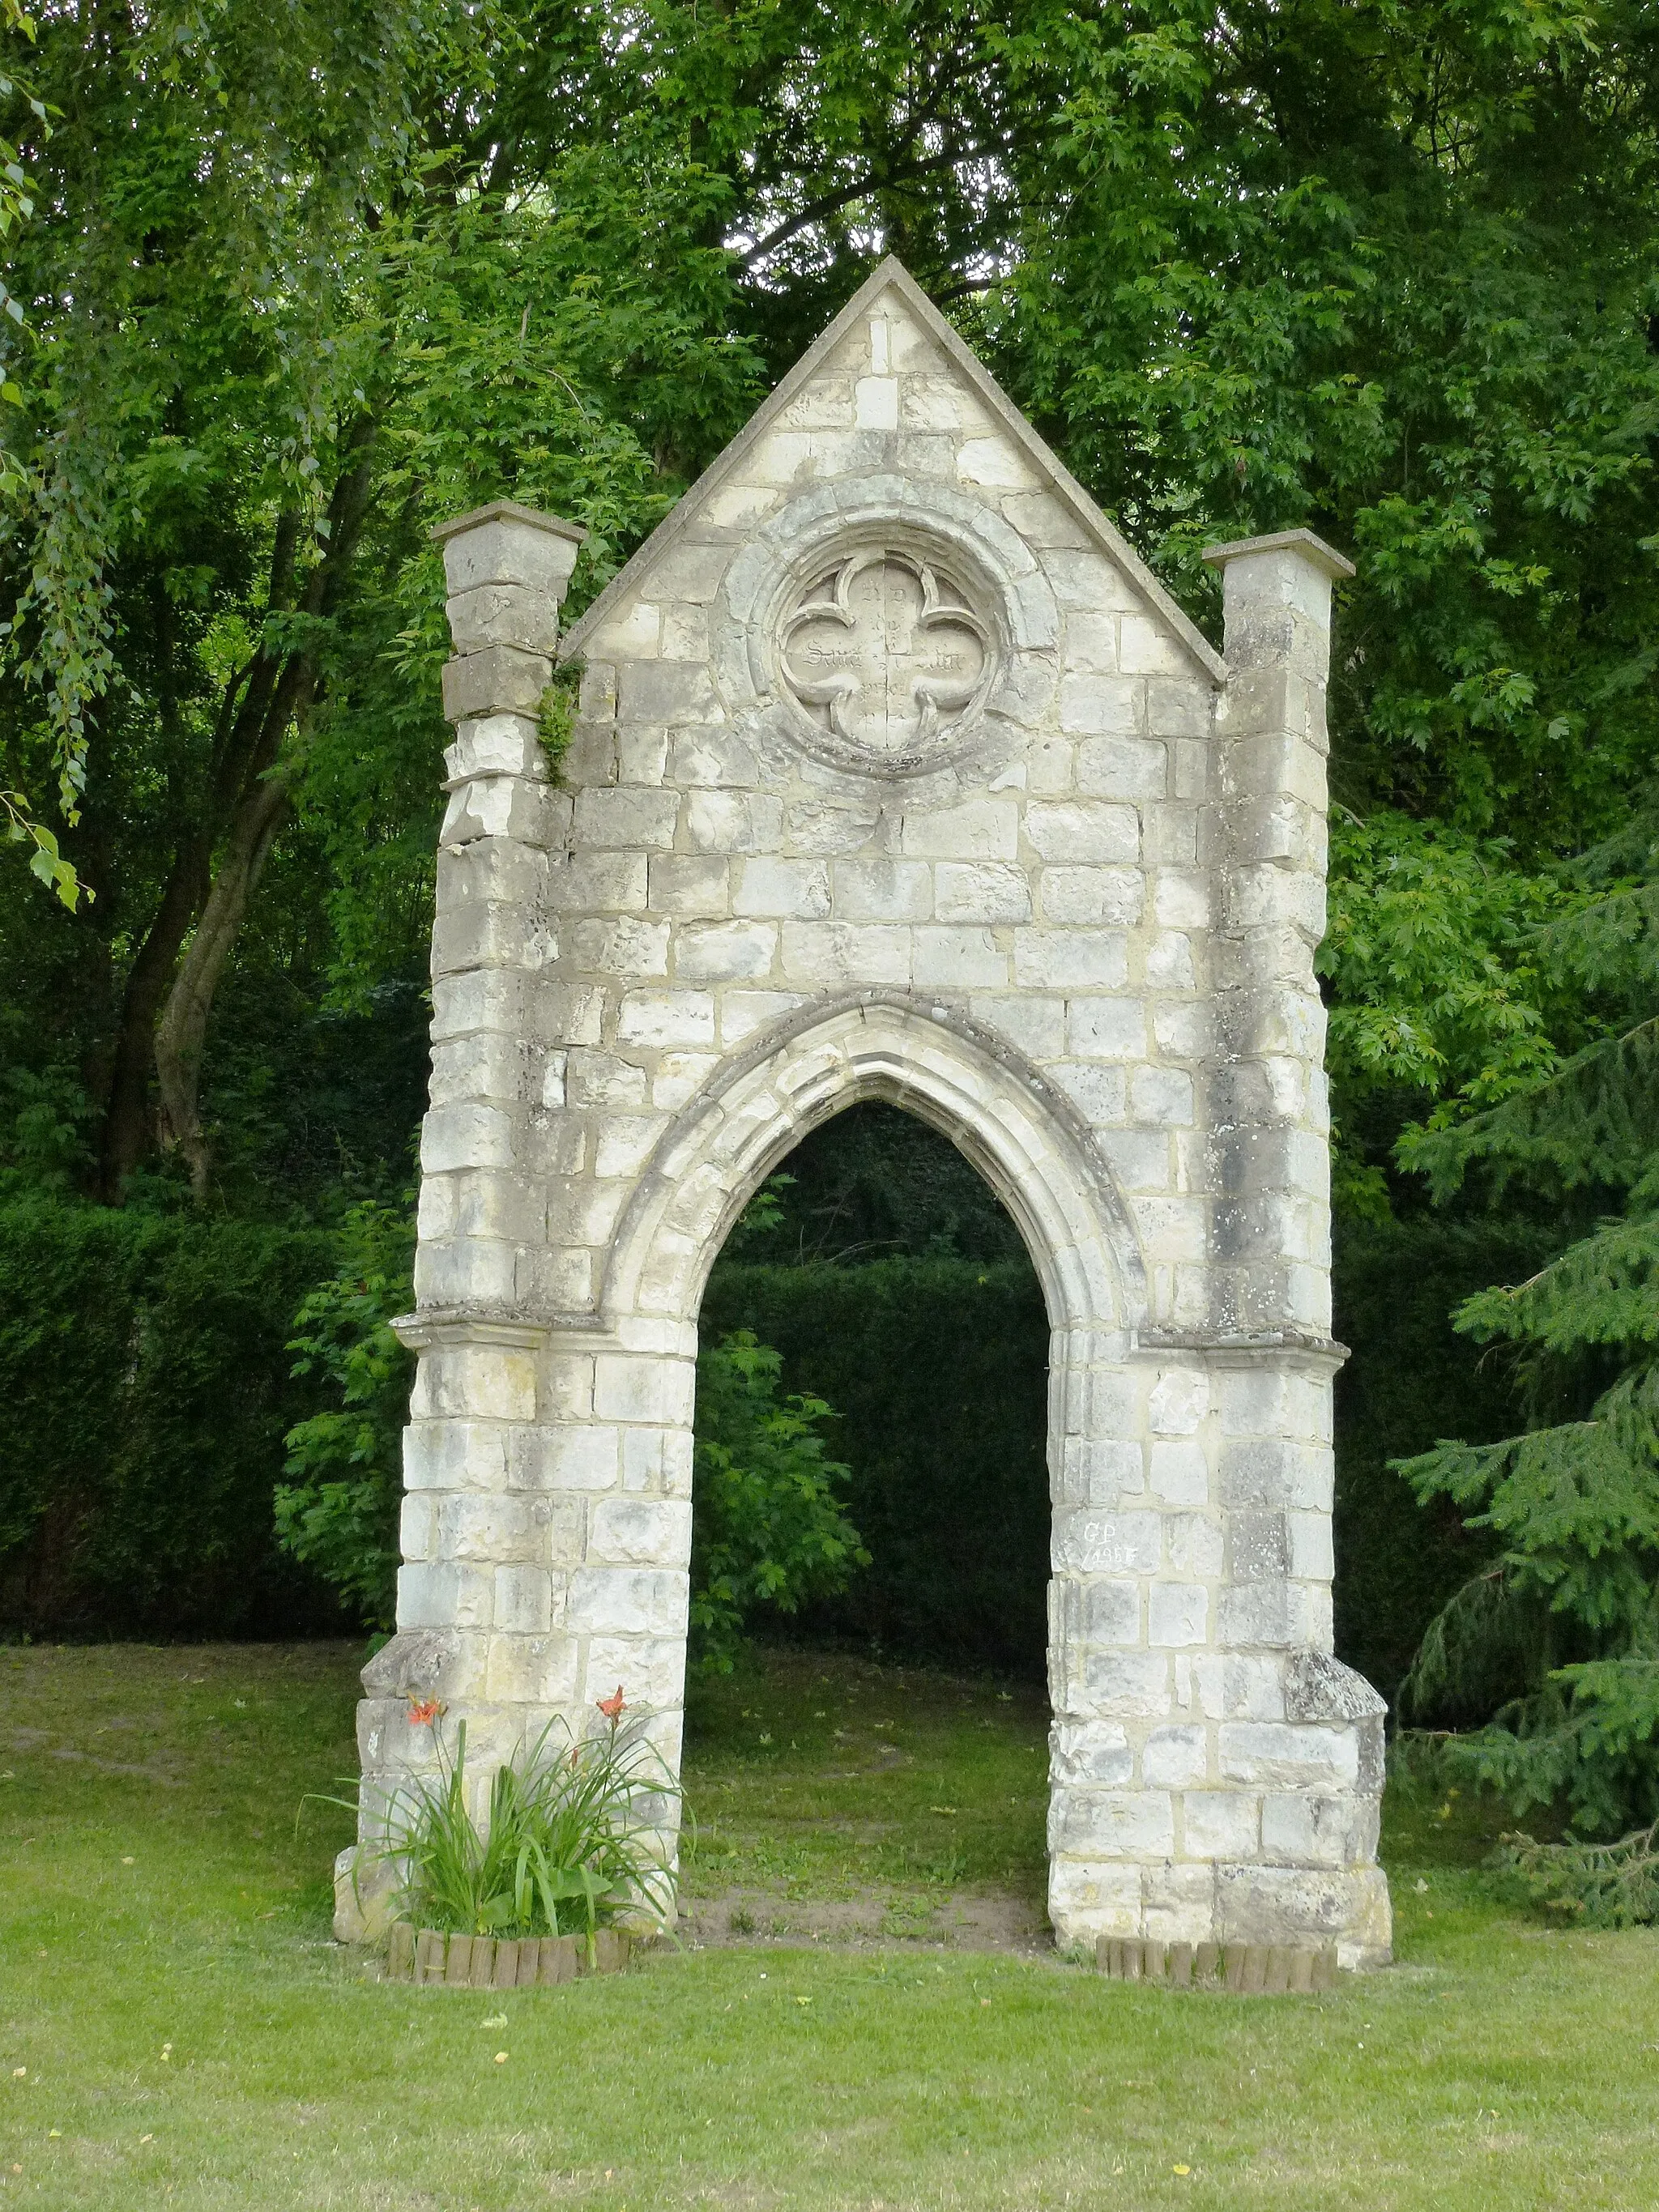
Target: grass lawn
{"x": 176, "y": 2028}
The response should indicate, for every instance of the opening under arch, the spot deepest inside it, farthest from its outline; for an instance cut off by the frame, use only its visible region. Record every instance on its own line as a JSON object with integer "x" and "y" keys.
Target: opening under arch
{"x": 884, "y": 1271}
{"x": 1015, "y": 1126}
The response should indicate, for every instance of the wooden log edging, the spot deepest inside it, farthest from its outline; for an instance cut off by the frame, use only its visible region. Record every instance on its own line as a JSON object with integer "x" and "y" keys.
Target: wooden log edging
{"x": 490, "y": 1962}
{"x": 1247, "y": 1969}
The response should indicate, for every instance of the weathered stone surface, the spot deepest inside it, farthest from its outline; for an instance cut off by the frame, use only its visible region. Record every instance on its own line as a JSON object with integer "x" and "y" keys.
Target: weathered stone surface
{"x": 898, "y": 775}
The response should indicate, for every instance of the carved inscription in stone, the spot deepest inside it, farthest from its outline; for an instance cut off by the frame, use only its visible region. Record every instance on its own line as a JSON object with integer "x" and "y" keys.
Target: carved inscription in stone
{"x": 886, "y": 655}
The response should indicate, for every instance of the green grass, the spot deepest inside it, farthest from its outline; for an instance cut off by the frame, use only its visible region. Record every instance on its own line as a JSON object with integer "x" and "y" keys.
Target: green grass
{"x": 816, "y": 1781}
{"x": 188, "y": 2031}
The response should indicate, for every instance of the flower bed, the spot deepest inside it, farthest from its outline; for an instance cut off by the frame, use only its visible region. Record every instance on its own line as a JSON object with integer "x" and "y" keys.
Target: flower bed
{"x": 570, "y": 1847}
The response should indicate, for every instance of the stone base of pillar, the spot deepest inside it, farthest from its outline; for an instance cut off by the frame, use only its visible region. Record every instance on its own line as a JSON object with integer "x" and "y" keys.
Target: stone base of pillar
{"x": 1173, "y": 1901}
{"x": 1258, "y": 1827}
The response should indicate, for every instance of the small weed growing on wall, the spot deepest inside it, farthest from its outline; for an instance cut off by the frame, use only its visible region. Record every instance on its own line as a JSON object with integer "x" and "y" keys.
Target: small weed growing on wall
{"x": 556, "y": 721}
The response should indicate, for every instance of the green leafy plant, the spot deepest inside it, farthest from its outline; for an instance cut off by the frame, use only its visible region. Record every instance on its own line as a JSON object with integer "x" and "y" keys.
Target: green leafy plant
{"x": 340, "y": 1514}
{"x": 571, "y": 1841}
{"x": 1598, "y": 1885}
{"x": 1560, "y": 1631}
{"x": 555, "y": 718}
{"x": 768, "y": 1528}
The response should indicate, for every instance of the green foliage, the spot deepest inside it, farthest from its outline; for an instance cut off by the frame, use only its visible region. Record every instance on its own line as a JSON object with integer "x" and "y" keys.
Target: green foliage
{"x": 1395, "y": 1284}
{"x": 570, "y": 1843}
{"x": 1295, "y": 266}
{"x": 17, "y": 206}
{"x": 769, "y": 1531}
{"x": 1300, "y": 266}
{"x": 312, "y": 1107}
{"x": 1303, "y": 267}
{"x": 339, "y": 1515}
{"x": 1572, "y": 1603}
{"x": 147, "y": 1389}
{"x": 874, "y": 1182}
{"x": 937, "y": 1369}
{"x": 300, "y": 299}
{"x": 1436, "y": 987}
{"x": 556, "y": 723}
{"x": 43, "y": 1151}
{"x": 46, "y": 862}
{"x": 1596, "y": 1885}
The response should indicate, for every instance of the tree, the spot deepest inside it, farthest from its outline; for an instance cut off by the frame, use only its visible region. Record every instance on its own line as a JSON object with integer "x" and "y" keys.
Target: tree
{"x": 23, "y": 826}
{"x": 769, "y": 1531}
{"x": 286, "y": 317}
{"x": 339, "y": 1513}
{"x": 1560, "y": 1631}
{"x": 1318, "y": 263}
{"x": 1327, "y": 264}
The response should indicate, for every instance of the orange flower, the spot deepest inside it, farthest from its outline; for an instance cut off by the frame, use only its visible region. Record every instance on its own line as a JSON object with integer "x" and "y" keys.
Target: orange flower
{"x": 423, "y": 1712}
{"x": 613, "y": 1708}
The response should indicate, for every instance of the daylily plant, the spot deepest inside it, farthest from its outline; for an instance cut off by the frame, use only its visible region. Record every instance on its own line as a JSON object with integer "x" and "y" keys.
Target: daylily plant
{"x": 571, "y": 1841}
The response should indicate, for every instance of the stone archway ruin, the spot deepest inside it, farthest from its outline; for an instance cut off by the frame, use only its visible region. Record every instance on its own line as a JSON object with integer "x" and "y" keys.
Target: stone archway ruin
{"x": 896, "y": 774}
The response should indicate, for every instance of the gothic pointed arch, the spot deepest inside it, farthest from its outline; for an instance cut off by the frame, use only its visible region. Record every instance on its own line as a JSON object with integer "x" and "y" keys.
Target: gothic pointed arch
{"x": 1018, "y": 1129}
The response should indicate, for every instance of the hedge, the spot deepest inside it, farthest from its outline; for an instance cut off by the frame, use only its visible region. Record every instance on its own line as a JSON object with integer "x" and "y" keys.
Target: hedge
{"x": 146, "y": 1391}
{"x": 1411, "y": 1379}
{"x": 938, "y": 1369}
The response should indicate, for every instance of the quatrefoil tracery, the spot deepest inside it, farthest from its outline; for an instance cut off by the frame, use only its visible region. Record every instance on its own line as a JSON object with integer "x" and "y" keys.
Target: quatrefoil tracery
{"x": 878, "y": 653}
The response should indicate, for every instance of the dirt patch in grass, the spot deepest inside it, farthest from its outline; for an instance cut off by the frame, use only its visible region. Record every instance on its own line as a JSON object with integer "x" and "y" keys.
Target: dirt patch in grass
{"x": 990, "y": 1920}
{"x": 844, "y": 1801}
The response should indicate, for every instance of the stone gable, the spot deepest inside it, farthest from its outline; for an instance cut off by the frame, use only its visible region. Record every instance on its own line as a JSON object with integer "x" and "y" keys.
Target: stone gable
{"x": 895, "y": 775}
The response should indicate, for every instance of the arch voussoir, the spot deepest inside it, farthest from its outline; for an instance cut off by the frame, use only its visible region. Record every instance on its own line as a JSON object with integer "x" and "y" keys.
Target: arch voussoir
{"x": 1059, "y": 1189}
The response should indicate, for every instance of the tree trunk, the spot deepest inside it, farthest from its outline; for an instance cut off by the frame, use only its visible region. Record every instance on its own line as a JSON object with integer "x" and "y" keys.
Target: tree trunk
{"x": 246, "y": 798}
{"x": 182, "y": 1030}
{"x": 126, "y": 1132}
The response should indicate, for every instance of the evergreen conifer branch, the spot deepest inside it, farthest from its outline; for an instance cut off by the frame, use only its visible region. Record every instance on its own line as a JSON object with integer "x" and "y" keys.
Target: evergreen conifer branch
{"x": 1554, "y": 1647}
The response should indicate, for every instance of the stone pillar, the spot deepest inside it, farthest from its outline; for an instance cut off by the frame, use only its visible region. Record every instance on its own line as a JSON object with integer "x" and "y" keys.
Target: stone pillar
{"x": 1270, "y": 1118}
{"x": 492, "y": 1069}
{"x": 480, "y": 1546}
{"x": 1300, "y": 1739}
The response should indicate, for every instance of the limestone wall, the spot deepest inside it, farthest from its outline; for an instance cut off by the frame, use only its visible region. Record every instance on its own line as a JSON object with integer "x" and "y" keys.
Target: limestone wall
{"x": 896, "y": 775}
